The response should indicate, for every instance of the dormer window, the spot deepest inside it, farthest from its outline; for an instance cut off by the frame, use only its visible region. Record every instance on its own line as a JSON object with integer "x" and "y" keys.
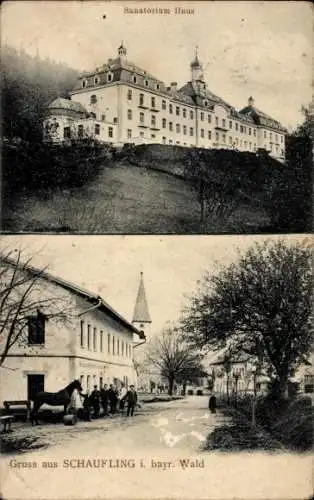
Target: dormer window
{"x": 110, "y": 77}
{"x": 96, "y": 80}
{"x": 84, "y": 83}
{"x": 134, "y": 79}
{"x": 157, "y": 86}
{"x": 205, "y": 103}
{"x": 146, "y": 83}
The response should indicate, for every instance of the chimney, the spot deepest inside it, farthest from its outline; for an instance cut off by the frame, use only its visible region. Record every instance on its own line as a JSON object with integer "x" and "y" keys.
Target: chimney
{"x": 174, "y": 86}
{"x": 251, "y": 101}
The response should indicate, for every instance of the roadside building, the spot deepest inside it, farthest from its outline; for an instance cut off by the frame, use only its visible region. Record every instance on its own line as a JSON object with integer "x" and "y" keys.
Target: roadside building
{"x": 95, "y": 345}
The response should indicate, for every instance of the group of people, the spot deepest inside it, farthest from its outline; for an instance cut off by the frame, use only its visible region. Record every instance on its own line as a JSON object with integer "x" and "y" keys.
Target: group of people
{"x": 110, "y": 399}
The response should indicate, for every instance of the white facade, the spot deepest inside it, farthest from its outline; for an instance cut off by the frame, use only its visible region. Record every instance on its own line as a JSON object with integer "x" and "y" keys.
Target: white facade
{"x": 95, "y": 346}
{"x": 141, "y": 109}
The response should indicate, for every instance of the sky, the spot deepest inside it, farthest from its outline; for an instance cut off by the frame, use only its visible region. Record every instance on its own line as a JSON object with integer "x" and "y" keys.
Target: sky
{"x": 264, "y": 49}
{"x": 110, "y": 265}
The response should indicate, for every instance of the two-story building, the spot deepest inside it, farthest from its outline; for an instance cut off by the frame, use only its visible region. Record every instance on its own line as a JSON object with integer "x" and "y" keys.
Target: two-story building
{"x": 120, "y": 103}
{"x": 86, "y": 340}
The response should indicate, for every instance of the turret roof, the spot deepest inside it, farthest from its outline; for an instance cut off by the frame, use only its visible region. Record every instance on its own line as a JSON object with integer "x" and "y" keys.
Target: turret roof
{"x": 61, "y": 103}
{"x": 141, "y": 312}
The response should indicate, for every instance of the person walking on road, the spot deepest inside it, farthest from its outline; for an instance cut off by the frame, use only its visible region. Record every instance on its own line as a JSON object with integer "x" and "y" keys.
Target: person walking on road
{"x": 94, "y": 399}
{"x": 131, "y": 400}
{"x": 113, "y": 398}
{"x": 104, "y": 397}
{"x": 212, "y": 404}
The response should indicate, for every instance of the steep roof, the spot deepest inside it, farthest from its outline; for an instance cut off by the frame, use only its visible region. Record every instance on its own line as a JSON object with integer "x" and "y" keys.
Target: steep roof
{"x": 141, "y": 312}
{"x": 79, "y": 291}
{"x": 261, "y": 118}
{"x": 61, "y": 103}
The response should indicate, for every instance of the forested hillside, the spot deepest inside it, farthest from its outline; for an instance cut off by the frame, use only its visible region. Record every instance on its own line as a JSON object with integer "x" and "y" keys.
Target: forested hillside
{"x": 29, "y": 83}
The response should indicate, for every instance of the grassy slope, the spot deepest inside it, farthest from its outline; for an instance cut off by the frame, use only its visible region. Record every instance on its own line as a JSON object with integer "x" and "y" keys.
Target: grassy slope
{"x": 125, "y": 199}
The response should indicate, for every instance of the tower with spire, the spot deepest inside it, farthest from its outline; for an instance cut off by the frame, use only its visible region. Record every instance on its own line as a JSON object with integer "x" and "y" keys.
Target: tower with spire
{"x": 141, "y": 317}
{"x": 122, "y": 52}
{"x": 197, "y": 73}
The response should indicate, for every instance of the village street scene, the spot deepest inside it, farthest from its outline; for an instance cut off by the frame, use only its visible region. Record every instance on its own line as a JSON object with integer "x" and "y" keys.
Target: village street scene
{"x": 185, "y": 364}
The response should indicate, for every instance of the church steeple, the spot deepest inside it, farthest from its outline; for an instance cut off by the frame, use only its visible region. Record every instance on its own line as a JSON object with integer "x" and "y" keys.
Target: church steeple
{"x": 196, "y": 68}
{"x": 141, "y": 313}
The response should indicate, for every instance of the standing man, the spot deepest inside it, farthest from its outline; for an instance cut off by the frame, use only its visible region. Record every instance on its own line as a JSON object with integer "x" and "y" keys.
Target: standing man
{"x": 104, "y": 397}
{"x": 113, "y": 398}
{"x": 94, "y": 399}
{"x": 131, "y": 400}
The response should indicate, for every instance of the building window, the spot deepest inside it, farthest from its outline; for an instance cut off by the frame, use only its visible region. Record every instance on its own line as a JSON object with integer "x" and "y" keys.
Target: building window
{"x": 141, "y": 134}
{"x": 93, "y": 99}
{"x": 224, "y": 123}
{"x": 202, "y": 132}
{"x": 191, "y": 131}
{"x": 80, "y": 131}
{"x": 129, "y": 133}
{"x": 84, "y": 83}
{"x": 94, "y": 339}
{"x": 108, "y": 343}
{"x": 153, "y": 102}
{"x": 245, "y": 144}
{"x": 141, "y": 99}
{"x": 164, "y": 123}
{"x": 157, "y": 86}
{"x": 118, "y": 347}
{"x": 245, "y": 130}
{"x": 254, "y": 132}
{"x": 115, "y": 120}
{"x": 264, "y": 134}
{"x": 88, "y": 336}
{"x": 36, "y": 329}
{"x": 241, "y": 129}
{"x": 217, "y": 136}
{"x": 110, "y": 131}
{"x": 170, "y": 108}
{"x": 178, "y": 128}
{"x": 216, "y": 120}
{"x": 141, "y": 117}
{"x": 250, "y": 131}
{"x": 209, "y": 135}
{"x": 237, "y": 126}
{"x": 109, "y": 77}
{"x": 101, "y": 341}
{"x": 250, "y": 145}
{"x": 122, "y": 348}
{"x": 103, "y": 118}
{"x": 223, "y": 137}
{"x": 97, "y": 129}
{"x": 184, "y": 112}
{"x": 184, "y": 129}
{"x": 113, "y": 345}
{"x": 230, "y": 124}
{"x": 163, "y": 104}
{"x": 191, "y": 115}
{"x": 170, "y": 126}
{"x": 177, "y": 111}
{"x": 209, "y": 118}
{"x": 202, "y": 116}
{"x": 134, "y": 79}
{"x": 146, "y": 83}
{"x": 66, "y": 133}
{"x": 130, "y": 350}
{"x": 164, "y": 140}
{"x": 270, "y": 136}
{"x": 129, "y": 114}
{"x": 153, "y": 121}
{"x": 82, "y": 333}
{"x": 129, "y": 95}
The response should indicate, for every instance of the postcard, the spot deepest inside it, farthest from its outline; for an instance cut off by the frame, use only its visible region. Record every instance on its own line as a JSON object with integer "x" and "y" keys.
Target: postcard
{"x": 117, "y": 382}
{"x": 140, "y": 118}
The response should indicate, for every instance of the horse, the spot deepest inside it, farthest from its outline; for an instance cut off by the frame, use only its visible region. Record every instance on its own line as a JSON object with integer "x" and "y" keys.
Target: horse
{"x": 60, "y": 398}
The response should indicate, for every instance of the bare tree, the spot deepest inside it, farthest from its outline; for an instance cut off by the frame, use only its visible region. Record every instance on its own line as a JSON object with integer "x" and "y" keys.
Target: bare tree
{"x": 171, "y": 355}
{"x": 23, "y": 297}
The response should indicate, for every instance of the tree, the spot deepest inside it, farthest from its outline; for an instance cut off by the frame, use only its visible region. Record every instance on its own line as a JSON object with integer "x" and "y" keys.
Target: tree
{"x": 191, "y": 374}
{"x": 171, "y": 355}
{"x": 23, "y": 300}
{"x": 261, "y": 306}
{"x": 292, "y": 199}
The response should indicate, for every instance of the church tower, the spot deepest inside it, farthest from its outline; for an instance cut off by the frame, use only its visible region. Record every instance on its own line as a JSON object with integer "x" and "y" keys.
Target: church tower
{"x": 197, "y": 73}
{"x": 122, "y": 52}
{"x": 141, "y": 317}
